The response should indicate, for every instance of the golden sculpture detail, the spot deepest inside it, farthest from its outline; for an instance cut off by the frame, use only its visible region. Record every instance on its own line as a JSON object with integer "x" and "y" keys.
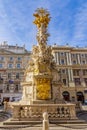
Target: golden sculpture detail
{"x": 42, "y": 55}
{"x": 41, "y": 16}
{"x": 43, "y": 88}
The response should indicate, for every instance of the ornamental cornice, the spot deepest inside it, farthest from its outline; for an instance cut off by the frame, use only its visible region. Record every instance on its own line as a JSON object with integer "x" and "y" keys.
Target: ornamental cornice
{"x": 79, "y": 66}
{"x": 69, "y": 49}
{"x": 61, "y": 48}
{"x": 64, "y": 66}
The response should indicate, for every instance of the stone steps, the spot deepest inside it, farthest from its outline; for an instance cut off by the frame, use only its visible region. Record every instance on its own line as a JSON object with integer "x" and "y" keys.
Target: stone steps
{"x": 39, "y": 126}
{"x": 17, "y": 123}
{"x": 22, "y": 122}
{"x": 10, "y": 124}
{"x": 68, "y": 122}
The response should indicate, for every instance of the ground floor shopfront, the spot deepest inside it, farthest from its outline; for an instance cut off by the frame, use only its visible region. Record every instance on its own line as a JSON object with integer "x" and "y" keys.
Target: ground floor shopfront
{"x": 11, "y": 96}
{"x": 74, "y": 94}
{"x": 70, "y": 94}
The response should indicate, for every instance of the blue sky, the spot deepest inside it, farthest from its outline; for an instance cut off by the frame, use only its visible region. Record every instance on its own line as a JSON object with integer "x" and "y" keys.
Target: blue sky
{"x": 68, "y": 22}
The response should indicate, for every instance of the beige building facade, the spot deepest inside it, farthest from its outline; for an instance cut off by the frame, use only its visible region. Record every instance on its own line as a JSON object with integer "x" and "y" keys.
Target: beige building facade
{"x": 72, "y": 64}
{"x": 13, "y": 60}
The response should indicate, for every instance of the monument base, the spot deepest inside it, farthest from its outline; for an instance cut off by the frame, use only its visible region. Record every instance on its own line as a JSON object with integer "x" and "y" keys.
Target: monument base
{"x": 42, "y": 102}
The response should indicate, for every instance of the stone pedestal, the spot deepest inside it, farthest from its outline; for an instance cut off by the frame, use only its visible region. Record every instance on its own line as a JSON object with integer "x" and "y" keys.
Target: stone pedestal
{"x": 42, "y": 102}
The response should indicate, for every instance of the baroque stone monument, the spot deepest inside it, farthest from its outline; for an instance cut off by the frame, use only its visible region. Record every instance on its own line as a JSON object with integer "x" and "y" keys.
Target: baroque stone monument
{"x": 42, "y": 85}
{"x": 42, "y": 71}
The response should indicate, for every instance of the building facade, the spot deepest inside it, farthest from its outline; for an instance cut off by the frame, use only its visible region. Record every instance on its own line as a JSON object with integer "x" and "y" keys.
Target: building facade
{"x": 13, "y": 60}
{"x": 72, "y": 64}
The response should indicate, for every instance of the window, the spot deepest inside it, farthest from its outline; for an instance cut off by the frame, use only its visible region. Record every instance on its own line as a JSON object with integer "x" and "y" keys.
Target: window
{"x": 84, "y": 72}
{"x": 85, "y": 55}
{"x": 17, "y": 75}
{"x": 62, "y": 53}
{"x": 19, "y": 58}
{"x": 63, "y": 71}
{"x": 76, "y": 72}
{"x": 64, "y": 81}
{"x": 18, "y": 66}
{"x": 83, "y": 62}
{"x": 74, "y": 61}
{"x": 62, "y": 61}
{"x": 1, "y": 58}
{"x": 1, "y": 65}
{"x": 16, "y": 88}
{"x": 1, "y": 79}
{"x": 7, "y": 88}
{"x": 11, "y": 58}
{"x": 77, "y": 81}
{"x": 10, "y": 65}
{"x": 85, "y": 81}
{"x": 9, "y": 75}
{"x": 73, "y": 55}
{"x": 82, "y": 55}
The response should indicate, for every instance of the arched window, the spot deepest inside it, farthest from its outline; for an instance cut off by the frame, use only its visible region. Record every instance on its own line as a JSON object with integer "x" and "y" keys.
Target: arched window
{"x": 80, "y": 97}
{"x": 66, "y": 96}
